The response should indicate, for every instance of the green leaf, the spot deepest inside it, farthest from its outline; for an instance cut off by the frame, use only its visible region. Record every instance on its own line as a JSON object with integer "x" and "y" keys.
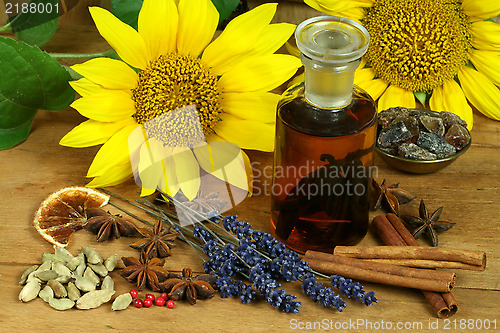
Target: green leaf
{"x": 31, "y": 78}
{"x": 421, "y": 96}
{"x": 225, "y": 8}
{"x": 38, "y": 23}
{"x": 15, "y": 125}
{"x": 127, "y": 10}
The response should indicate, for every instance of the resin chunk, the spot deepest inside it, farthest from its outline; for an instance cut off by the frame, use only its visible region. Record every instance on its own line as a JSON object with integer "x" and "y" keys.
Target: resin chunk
{"x": 433, "y": 124}
{"x": 457, "y": 136}
{"x": 413, "y": 152}
{"x": 386, "y": 117}
{"x": 394, "y": 134}
{"x": 449, "y": 119}
{"x": 435, "y": 144}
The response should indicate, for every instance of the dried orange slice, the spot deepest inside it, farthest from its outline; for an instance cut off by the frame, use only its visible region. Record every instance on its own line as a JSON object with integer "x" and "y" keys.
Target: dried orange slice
{"x": 64, "y": 212}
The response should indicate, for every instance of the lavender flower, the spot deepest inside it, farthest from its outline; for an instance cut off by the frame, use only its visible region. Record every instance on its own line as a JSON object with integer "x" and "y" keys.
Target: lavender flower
{"x": 353, "y": 289}
{"x": 321, "y": 294}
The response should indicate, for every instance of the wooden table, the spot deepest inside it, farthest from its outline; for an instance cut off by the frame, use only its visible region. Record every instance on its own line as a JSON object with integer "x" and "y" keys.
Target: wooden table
{"x": 468, "y": 189}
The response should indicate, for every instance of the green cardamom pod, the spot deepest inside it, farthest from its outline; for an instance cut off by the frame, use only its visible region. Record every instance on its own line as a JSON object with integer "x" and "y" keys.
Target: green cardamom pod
{"x": 46, "y": 293}
{"x": 46, "y": 275}
{"x": 30, "y": 291}
{"x": 121, "y": 302}
{"x": 61, "y": 304}
{"x": 89, "y": 274}
{"x": 45, "y": 266}
{"x": 92, "y": 256}
{"x": 108, "y": 283}
{"x": 51, "y": 258}
{"x": 63, "y": 279}
{"x": 59, "y": 290}
{"x": 73, "y": 263}
{"x": 84, "y": 284}
{"x": 94, "y": 298}
{"x": 111, "y": 262}
{"x": 99, "y": 269}
{"x": 24, "y": 275}
{"x": 73, "y": 291}
{"x": 61, "y": 269}
{"x": 63, "y": 254}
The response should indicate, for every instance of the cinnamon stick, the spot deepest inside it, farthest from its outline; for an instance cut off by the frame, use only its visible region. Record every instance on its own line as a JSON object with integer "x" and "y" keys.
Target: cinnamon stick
{"x": 380, "y": 273}
{"x": 417, "y": 256}
{"x": 383, "y": 268}
{"x": 386, "y": 226}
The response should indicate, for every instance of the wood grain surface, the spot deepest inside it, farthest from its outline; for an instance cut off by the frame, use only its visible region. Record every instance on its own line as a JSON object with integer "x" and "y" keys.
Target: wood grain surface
{"x": 29, "y": 172}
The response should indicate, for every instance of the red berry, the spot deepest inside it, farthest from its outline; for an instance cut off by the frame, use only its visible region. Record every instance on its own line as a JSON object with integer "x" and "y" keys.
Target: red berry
{"x": 170, "y": 304}
{"x": 160, "y": 301}
{"x": 138, "y": 303}
{"x": 150, "y": 296}
{"x": 148, "y": 302}
{"x": 134, "y": 293}
{"x": 164, "y": 296}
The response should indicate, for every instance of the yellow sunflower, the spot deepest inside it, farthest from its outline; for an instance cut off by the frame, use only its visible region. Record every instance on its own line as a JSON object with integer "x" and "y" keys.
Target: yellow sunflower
{"x": 445, "y": 49}
{"x": 171, "y": 62}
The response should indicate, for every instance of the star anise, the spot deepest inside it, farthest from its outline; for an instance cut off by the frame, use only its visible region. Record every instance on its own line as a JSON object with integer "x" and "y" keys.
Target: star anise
{"x": 144, "y": 271}
{"x": 203, "y": 204}
{"x": 189, "y": 287}
{"x": 157, "y": 241}
{"x": 107, "y": 225}
{"x": 390, "y": 197}
{"x": 428, "y": 223}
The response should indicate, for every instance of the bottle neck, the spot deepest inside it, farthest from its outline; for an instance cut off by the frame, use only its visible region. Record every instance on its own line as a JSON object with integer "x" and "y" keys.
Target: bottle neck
{"x": 329, "y": 86}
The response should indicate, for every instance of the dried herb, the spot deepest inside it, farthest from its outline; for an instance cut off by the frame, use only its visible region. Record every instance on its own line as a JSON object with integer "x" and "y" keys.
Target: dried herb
{"x": 156, "y": 242}
{"x": 428, "y": 223}
{"x": 188, "y": 287}
{"x": 390, "y": 197}
{"x": 107, "y": 225}
{"x": 144, "y": 271}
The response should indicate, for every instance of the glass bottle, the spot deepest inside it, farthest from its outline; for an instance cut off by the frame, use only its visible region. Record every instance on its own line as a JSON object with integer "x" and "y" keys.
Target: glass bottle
{"x": 325, "y": 135}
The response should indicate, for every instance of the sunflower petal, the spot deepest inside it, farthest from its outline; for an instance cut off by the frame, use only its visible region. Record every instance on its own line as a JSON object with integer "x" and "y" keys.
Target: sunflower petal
{"x": 108, "y": 73}
{"x": 187, "y": 171}
{"x": 158, "y": 21}
{"x": 273, "y": 37}
{"x": 114, "y": 152}
{"x": 363, "y": 74}
{"x": 108, "y": 106}
{"x": 485, "y": 35}
{"x": 395, "y": 96}
{"x": 91, "y": 133}
{"x": 259, "y": 106}
{"x": 117, "y": 174}
{"x": 127, "y": 42}
{"x": 248, "y": 134}
{"x": 450, "y": 97}
{"x": 479, "y": 10}
{"x": 374, "y": 88}
{"x": 488, "y": 63}
{"x": 85, "y": 87}
{"x": 224, "y": 161}
{"x": 239, "y": 36}
{"x": 259, "y": 73}
{"x": 198, "y": 21}
{"x": 480, "y": 91}
{"x": 339, "y": 5}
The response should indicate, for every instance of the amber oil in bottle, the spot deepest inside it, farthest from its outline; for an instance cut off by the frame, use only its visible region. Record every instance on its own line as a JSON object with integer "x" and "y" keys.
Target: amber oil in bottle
{"x": 325, "y": 135}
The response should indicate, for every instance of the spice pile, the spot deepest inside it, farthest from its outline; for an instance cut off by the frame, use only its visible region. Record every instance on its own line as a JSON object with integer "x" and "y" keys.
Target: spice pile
{"x": 63, "y": 280}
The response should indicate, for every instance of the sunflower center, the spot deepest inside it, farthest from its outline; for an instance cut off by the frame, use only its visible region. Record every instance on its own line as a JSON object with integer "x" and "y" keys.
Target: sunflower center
{"x": 417, "y": 44}
{"x": 175, "y": 81}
